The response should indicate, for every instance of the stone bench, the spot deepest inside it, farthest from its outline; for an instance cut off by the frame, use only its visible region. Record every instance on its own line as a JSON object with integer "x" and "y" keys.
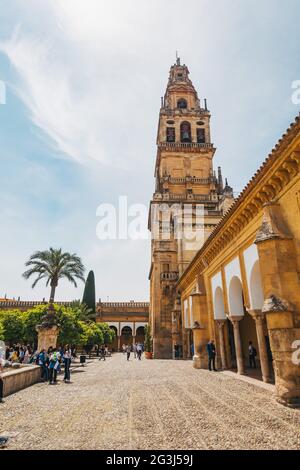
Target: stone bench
{"x": 18, "y": 379}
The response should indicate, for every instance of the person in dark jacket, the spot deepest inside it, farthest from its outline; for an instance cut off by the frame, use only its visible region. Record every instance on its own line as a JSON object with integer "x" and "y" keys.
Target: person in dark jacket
{"x": 211, "y": 351}
{"x": 67, "y": 358}
{"x": 252, "y": 355}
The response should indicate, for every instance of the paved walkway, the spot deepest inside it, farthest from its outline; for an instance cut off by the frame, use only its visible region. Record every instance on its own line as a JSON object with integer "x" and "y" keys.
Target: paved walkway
{"x": 148, "y": 405}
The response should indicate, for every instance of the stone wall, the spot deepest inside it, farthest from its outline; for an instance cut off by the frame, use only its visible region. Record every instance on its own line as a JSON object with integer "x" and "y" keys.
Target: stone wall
{"x": 18, "y": 379}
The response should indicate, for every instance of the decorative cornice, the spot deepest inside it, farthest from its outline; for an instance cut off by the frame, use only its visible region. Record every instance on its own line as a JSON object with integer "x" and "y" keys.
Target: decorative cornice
{"x": 279, "y": 168}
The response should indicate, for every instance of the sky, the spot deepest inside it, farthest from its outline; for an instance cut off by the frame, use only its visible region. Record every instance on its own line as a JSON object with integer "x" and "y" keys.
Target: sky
{"x": 83, "y": 84}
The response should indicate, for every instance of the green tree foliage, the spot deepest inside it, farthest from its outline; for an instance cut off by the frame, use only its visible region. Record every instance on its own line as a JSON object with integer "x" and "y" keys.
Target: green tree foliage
{"x": 84, "y": 313}
{"x": 89, "y": 295}
{"x": 20, "y": 327}
{"x": 12, "y": 326}
{"x": 148, "y": 339}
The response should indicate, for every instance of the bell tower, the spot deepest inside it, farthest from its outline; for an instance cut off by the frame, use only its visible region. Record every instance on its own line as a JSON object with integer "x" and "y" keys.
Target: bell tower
{"x": 186, "y": 186}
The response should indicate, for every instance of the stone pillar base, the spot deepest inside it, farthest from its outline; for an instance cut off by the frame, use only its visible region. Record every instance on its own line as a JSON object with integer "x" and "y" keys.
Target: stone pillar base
{"x": 47, "y": 337}
{"x": 290, "y": 402}
{"x": 199, "y": 362}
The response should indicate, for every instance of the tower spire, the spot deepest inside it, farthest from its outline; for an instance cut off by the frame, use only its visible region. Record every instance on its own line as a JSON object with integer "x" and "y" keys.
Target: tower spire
{"x": 177, "y": 58}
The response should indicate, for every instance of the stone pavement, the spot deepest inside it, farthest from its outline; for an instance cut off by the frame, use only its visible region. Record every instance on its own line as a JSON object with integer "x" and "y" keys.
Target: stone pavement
{"x": 148, "y": 405}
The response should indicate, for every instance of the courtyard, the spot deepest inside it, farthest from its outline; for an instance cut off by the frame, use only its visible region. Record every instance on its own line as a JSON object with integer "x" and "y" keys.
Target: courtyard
{"x": 151, "y": 405}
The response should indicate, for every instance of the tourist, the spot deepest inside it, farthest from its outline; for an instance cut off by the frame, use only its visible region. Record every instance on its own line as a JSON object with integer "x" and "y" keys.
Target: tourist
{"x": 67, "y": 358}
{"x": 53, "y": 366}
{"x": 252, "y": 355}
{"x": 211, "y": 351}
{"x": 128, "y": 351}
{"x": 27, "y": 355}
{"x": 134, "y": 350}
{"x": 139, "y": 350}
{"x": 14, "y": 356}
{"x": 43, "y": 365}
{"x": 102, "y": 353}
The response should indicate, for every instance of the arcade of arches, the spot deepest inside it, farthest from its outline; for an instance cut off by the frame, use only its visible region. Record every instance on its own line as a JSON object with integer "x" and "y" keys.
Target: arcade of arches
{"x": 127, "y": 319}
{"x": 243, "y": 285}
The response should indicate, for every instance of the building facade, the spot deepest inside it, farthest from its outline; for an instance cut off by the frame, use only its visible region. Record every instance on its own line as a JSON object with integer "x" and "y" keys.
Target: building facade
{"x": 188, "y": 193}
{"x": 127, "y": 319}
{"x": 244, "y": 283}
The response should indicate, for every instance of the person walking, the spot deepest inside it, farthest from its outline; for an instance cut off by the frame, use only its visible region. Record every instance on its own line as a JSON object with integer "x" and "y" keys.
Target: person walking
{"x": 211, "y": 351}
{"x": 128, "y": 351}
{"x": 252, "y": 355}
{"x": 67, "y": 358}
{"x": 134, "y": 350}
{"x": 53, "y": 366}
{"x": 139, "y": 350}
{"x": 102, "y": 353}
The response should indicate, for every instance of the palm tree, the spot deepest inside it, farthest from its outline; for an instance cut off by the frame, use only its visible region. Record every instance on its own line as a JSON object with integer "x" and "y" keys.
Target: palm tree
{"x": 84, "y": 313}
{"x": 54, "y": 265}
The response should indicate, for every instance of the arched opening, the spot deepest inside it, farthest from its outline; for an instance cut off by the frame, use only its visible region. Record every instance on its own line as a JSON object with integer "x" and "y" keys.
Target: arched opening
{"x": 185, "y": 132}
{"x": 171, "y": 135}
{"x": 219, "y": 304}
{"x": 236, "y": 302}
{"x": 126, "y": 335}
{"x": 114, "y": 344}
{"x": 140, "y": 335}
{"x": 256, "y": 292}
{"x": 182, "y": 103}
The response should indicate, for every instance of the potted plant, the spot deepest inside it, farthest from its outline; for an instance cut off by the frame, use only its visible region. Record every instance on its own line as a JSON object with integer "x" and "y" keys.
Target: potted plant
{"x": 148, "y": 343}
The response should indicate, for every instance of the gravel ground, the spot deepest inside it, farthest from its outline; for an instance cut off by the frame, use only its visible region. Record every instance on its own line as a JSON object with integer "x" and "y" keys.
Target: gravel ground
{"x": 148, "y": 405}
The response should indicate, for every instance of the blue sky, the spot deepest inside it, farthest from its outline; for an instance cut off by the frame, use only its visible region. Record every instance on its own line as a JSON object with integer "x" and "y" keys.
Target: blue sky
{"x": 84, "y": 80}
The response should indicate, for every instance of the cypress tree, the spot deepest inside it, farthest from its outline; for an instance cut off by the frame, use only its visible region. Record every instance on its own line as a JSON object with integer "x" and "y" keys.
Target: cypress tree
{"x": 89, "y": 295}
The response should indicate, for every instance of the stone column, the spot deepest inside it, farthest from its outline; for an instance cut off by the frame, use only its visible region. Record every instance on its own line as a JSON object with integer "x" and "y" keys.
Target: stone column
{"x": 235, "y": 319}
{"x": 188, "y": 342}
{"x": 201, "y": 325}
{"x": 220, "y": 324}
{"x": 119, "y": 343}
{"x": 259, "y": 319}
{"x": 176, "y": 337}
{"x": 280, "y": 279}
{"x": 48, "y": 331}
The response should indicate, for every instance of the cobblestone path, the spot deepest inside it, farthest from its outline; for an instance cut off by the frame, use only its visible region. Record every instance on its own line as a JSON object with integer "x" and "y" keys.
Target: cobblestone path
{"x": 148, "y": 405}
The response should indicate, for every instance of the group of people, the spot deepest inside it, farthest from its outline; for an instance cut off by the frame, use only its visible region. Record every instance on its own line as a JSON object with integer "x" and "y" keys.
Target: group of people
{"x": 137, "y": 350}
{"x": 51, "y": 361}
{"x": 19, "y": 353}
{"x": 102, "y": 352}
{"x": 211, "y": 351}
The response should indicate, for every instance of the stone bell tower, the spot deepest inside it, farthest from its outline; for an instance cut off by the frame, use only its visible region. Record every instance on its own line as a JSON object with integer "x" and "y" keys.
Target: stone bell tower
{"x": 189, "y": 199}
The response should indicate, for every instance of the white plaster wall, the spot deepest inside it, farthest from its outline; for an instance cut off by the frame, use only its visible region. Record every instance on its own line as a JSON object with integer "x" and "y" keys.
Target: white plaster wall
{"x": 255, "y": 293}
{"x": 235, "y": 303}
{"x": 191, "y": 312}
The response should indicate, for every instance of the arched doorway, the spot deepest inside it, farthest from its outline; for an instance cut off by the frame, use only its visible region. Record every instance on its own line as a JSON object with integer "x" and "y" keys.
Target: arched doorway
{"x": 126, "y": 335}
{"x": 185, "y": 132}
{"x": 140, "y": 335}
{"x": 114, "y": 344}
